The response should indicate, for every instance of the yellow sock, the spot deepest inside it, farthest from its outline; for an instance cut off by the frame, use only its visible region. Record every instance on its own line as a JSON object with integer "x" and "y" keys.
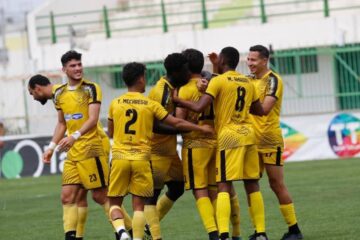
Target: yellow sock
{"x": 127, "y": 218}
{"x": 223, "y": 212}
{"x": 251, "y": 217}
{"x": 257, "y": 211}
{"x": 207, "y": 214}
{"x": 164, "y": 204}
{"x": 288, "y": 212}
{"x": 118, "y": 223}
{"x": 80, "y": 227}
{"x": 138, "y": 224}
{"x": 152, "y": 218}
{"x": 214, "y": 202}
{"x": 106, "y": 207}
{"x": 70, "y": 215}
{"x": 235, "y": 216}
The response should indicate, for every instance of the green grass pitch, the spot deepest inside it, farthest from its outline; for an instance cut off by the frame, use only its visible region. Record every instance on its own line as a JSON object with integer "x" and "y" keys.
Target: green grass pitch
{"x": 326, "y": 195}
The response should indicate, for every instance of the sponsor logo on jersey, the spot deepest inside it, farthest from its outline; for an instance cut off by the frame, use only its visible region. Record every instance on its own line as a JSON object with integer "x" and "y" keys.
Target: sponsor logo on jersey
{"x": 344, "y": 135}
{"x": 77, "y": 116}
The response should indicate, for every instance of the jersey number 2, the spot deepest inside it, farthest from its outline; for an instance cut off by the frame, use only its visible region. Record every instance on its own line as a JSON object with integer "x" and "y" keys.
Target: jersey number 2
{"x": 240, "y": 101}
{"x": 133, "y": 114}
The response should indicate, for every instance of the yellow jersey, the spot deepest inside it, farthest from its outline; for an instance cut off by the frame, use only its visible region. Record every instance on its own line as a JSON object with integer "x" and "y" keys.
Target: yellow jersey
{"x": 161, "y": 144}
{"x": 133, "y": 116}
{"x": 232, "y": 95}
{"x": 196, "y": 139}
{"x": 99, "y": 126}
{"x": 74, "y": 103}
{"x": 267, "y": 128}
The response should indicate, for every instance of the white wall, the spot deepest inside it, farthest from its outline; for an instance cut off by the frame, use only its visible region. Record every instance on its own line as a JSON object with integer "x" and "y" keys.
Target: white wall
{"x": 317, "y": 32}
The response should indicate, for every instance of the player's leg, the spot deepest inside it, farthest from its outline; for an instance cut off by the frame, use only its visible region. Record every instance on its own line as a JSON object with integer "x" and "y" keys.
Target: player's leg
{"x": 118, "y": 187}
{"x": 117, "y": 218}
{"x": 223, "y": 208}
{"x": 82, "y": 205}
{"x": 105, "y": 164}
{"x": 70, "y": 186}
{"x": 195, "y": 167}
{"x": 160, "y": 167}
{"x": 254, "y": 196}
{"x": 141, "y": 187}
{"x": 235, "y": 215}
{"x": 175, "y": 187}
{"x": 98, "y": 174}
{"x": 227, "y": 170}
{"x": 276, "y": 180}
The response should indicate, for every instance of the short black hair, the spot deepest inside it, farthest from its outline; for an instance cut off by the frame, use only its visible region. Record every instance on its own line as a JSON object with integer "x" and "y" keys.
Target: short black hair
{"x": 231, "y": 56}
{"x": 131, "y": 73}
{"x": 263, "y": 51}
{"x": 38, "y": 80}
{"x": 174, "y": 62}
{"x": 70, "y": 55}
{"x": 195, "y": 59}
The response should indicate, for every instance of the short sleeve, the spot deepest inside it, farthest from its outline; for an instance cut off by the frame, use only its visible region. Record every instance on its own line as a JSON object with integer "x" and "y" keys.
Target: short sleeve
{"x": 214, "y": 87}
{"x": 159, "y": 111}
{"x": 95, "y": 94}
{"x": 274, "y": 86}
{"x": 56, "y": 103}
{"x": 56, "y": 92}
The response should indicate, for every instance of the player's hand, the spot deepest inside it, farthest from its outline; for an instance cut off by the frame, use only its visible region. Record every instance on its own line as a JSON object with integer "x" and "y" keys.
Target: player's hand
{"x": 47, "y": 155}
{"x": 66, "y": 143}
{"x": 214, "y": 58}
{"x": 207, "y": 129}
{"x": 202, "y": 84}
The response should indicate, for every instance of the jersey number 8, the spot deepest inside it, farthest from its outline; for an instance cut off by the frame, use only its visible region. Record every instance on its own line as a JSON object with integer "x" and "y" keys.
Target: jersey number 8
{"x": 240, "y": 101}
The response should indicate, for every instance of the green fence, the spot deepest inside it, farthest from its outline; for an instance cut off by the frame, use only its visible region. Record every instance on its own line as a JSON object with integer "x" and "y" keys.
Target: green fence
{"x": 316, "y": 80}
{"x": 170, "y": 15}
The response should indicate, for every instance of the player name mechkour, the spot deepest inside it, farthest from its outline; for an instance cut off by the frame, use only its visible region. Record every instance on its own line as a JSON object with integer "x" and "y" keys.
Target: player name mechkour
{"x": 135, "y": 101}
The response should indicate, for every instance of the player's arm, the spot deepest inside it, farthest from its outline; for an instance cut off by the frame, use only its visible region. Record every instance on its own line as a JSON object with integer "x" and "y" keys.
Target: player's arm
{"x": 198, "y": 106}
{"x": 59, "y": 133}
{"x": 214, "y": 59}
{"x": 184, "y": 125}
{"x": 94, "y": 110}
{"x": 162, "y": 128}
{"x": 257, "y": 109}
{"x": 268, "y": 104}
{"x": 110, "y": 128}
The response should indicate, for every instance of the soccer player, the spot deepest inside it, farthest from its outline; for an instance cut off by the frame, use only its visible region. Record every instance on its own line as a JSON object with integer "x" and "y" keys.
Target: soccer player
{"x": 43, "y": 90}
{"x": 268, "y": 133}
{"x": 131, "y": 124}
{"x": 78, "y": 105}
{"x": 199, "y": 152}
{"x": 166, "y": 164}
{"x": 234, "y": 97}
